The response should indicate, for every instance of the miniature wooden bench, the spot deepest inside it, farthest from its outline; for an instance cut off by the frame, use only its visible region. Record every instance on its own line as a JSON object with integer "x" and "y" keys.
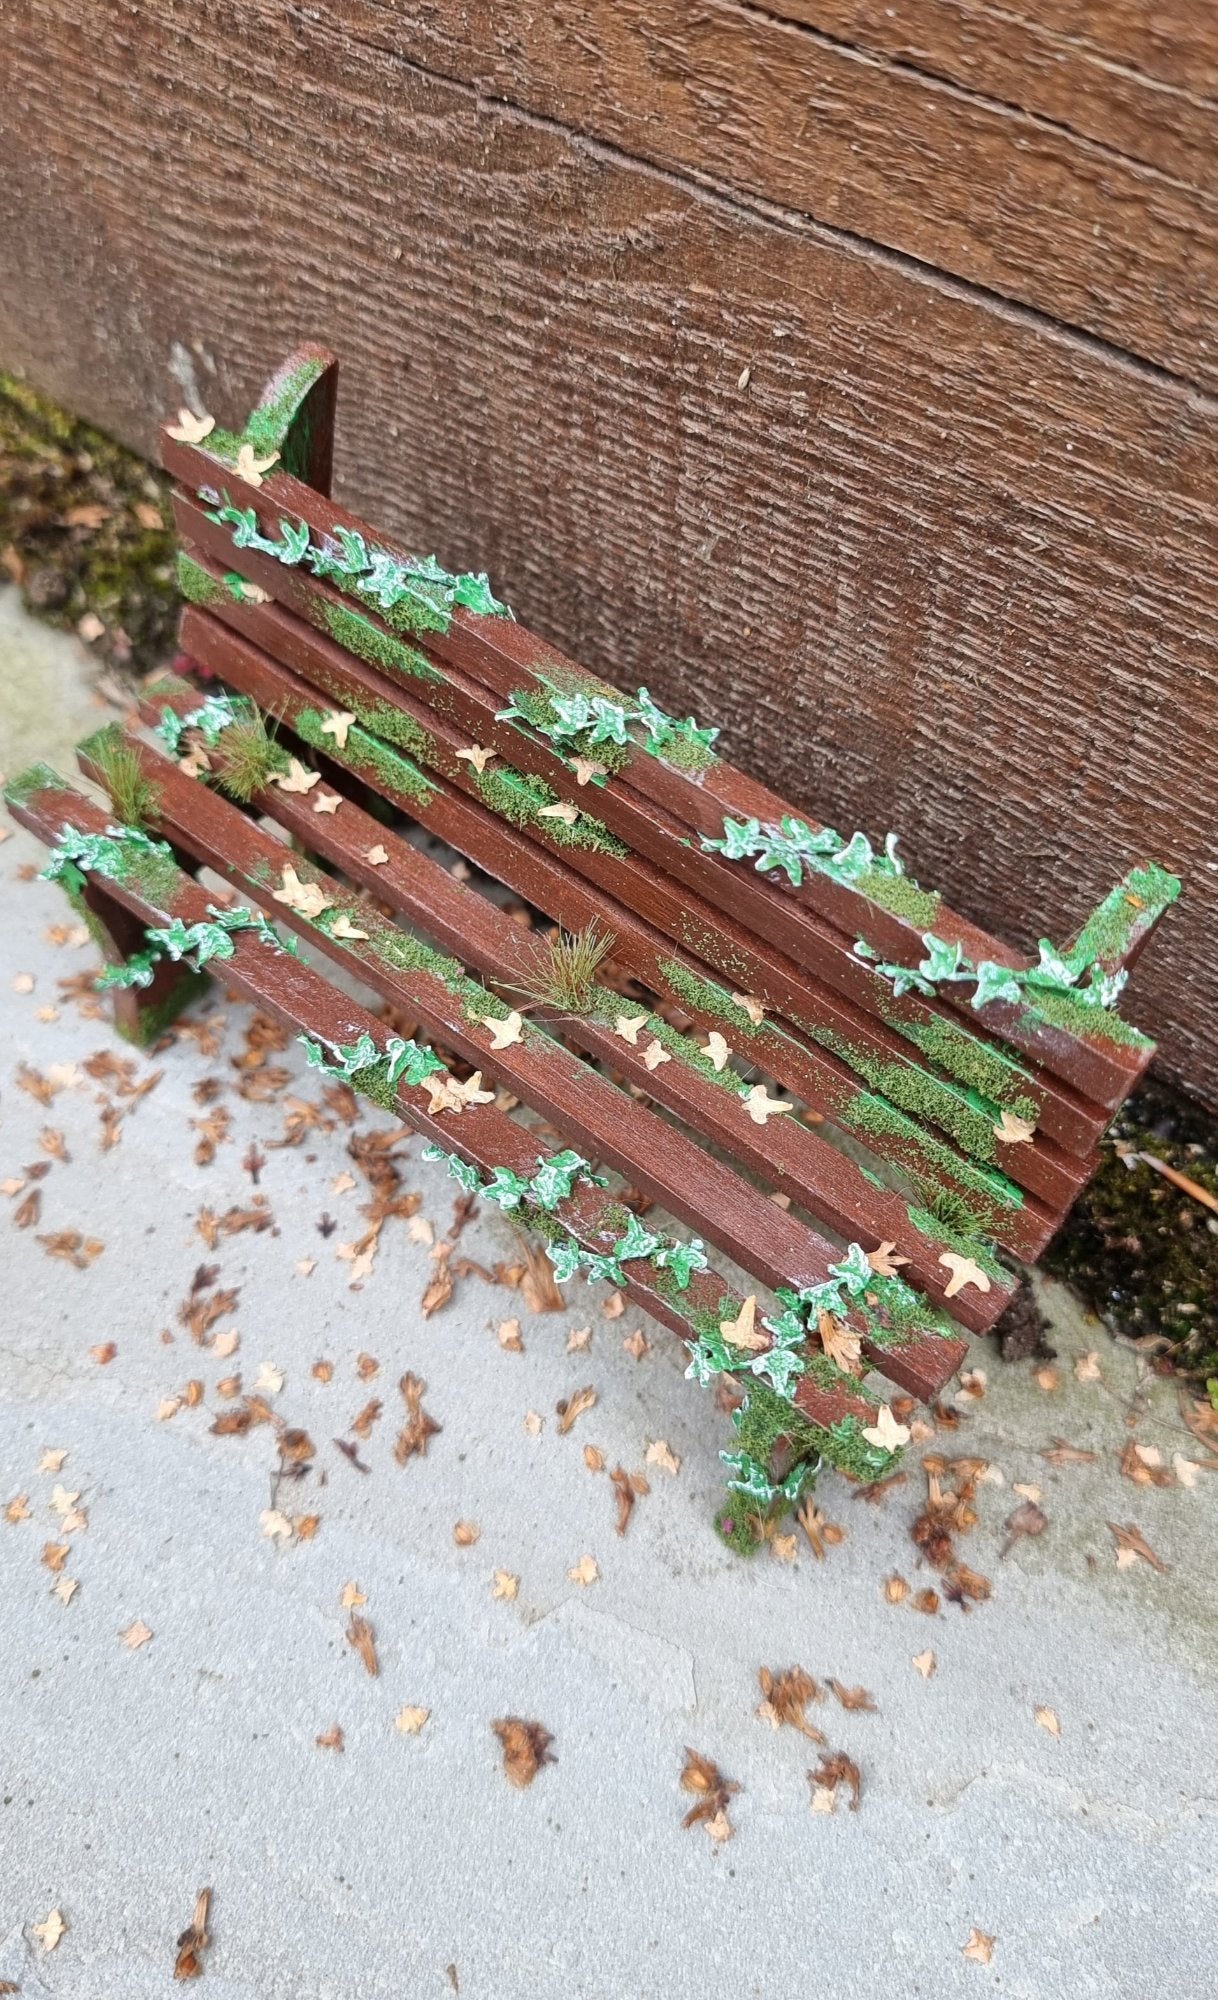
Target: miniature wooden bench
{"x": 782, "y": 1012}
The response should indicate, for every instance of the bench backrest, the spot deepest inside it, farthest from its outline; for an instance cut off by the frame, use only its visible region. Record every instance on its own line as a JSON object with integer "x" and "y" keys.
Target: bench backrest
{"x": 953, "y": 1094}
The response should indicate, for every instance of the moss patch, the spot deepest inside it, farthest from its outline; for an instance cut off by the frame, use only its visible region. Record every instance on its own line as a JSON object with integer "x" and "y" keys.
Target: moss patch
{"x": 86, "y": 529}
{"x": 1143, "y": 1254}
{"x": 1068, "y": 1012}
{"x": 367, "y": 754}
{"x": 900, "y": 896}
{"x": 705, "y": 996}
{"x": 978, "y": 1065}
{"x": 518, "y": 797}
{"x": 370, "y": 642}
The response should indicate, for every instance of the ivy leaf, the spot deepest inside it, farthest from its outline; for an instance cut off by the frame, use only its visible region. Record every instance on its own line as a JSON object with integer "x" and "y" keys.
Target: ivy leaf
{"x": 682, "y": 1259}
{"x": 854, "y": 1271}
{"x": 566, "y": 1256}
{"x": 943, "y": 961}
{"x": 555, "y": 1177}
{"x": 637, "y": 1242}
{"x": 781, "y": 1366}
{"x": 739, "y": 842}
{"x": 854, "y": 859}
{"x": 505, "y": 1188}
{"x": 996, "y": 982}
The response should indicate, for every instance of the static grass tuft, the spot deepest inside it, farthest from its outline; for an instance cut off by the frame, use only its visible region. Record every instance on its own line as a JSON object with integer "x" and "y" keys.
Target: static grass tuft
{"x": 134, "y": 797}
{"x": 562, "y": 971}
{"x": 250, "y": 757}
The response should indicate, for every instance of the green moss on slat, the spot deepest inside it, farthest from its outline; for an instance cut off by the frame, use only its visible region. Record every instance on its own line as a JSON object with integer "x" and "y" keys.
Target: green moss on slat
{"x": 198, "y": 585}
{"x": 704, "y": 996}
{"x": 1074, "y": 1017}
{"x": 35, "y": 778}
{"x": 370, "y": 642}
{"x": 900, "y": 896}
{"x": 977, "y": 1064}
{"x": 879, "y": 1119}
{"x": 518, "y": 797}
{"x": 1107, "y": 932}
{"x": 369, "y": 756}
{"x": 535, "y": 704}
{"x": 966, "y": 1241}
{"x": 679, "y": 1046}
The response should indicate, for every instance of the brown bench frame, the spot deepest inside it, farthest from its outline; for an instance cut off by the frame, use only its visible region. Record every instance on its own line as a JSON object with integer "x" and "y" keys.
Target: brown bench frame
{"x": 452, "y": 722}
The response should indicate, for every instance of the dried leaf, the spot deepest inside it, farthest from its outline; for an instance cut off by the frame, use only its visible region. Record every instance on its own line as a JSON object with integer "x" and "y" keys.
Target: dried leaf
{"x": 980, "y": 1947}
{"x": 886, "y": 1432}
{"x": 834, "y": 1769}
{"x": 1028, "y": 1519}
{"x": 785, "y": 1696}
{"x": 360, "y": 1637}
{"x": 332, "y": 1738}
{"x": 742, "y": 1331}
{"x": 1046, "y": 1718}
{"x": 761, "y": 1106}
{"x": 710, "y": 1789}
{"x": 194, "y": 1940}
{"x": 925, "y": 1663}
{"x": 883, "y": 1262}
{"x": 856, "y": 1697}
{"x": 585, "y": 1571}
{"x": 624, "y": 1496}
{"x": 526, "y": 1747}
{"x": 660, "y": 1453}
{"x": 189, "y": 428}
{"x": 50, "y": 1930}
{"x": 963, "y": 1272}
{"x": 1132, "y": 1547}
{"x": 574, "y": 1406}
{"x": 136, "y": 1635}
{"x": 466, "y": 1533}
{"x": 409, "y": 1721}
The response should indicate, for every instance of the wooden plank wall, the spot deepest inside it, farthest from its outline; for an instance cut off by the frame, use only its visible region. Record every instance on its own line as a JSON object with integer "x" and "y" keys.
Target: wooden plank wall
{"x": 946, "y": 563}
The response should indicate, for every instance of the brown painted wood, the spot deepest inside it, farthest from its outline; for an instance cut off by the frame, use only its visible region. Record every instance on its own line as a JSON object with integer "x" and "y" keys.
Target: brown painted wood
{"x": 724, "y": 947}
{"x": 925, "y": 504}
{"x": 1065, "y": 1118}
{"x": 307, "y": 1002}
{"x": 590, "y": 1110}
{"x": 817, "y": 1079}
{"x": 1026, "y": 206}
{"x": 1103, "y": 1071}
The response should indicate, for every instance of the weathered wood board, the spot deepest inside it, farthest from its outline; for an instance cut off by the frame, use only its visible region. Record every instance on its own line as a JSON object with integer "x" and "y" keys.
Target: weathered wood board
{"x": 944, "y": 563}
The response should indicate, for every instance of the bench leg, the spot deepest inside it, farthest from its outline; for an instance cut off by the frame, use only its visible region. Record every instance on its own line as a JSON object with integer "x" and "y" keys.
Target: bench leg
{"x": 140, "y": 1012}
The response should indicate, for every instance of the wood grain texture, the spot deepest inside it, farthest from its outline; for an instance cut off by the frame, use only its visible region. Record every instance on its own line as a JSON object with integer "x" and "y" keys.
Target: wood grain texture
{"x": 941, "y": 567}
{"x": 1141, "y": 80}
{"x": 1026, "y": 206}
